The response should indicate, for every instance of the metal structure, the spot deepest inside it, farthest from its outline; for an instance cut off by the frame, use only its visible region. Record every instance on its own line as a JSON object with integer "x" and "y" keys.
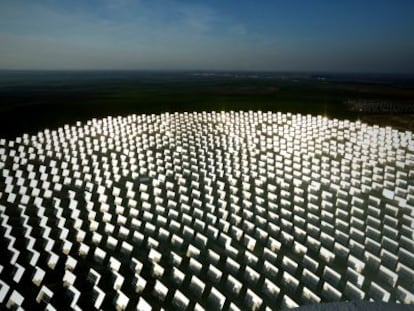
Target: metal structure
{"x": 218, "y": 210}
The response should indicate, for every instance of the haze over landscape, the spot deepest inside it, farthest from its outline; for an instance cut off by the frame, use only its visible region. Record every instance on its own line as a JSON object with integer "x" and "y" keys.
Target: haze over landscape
{"x": 351, "y": 36}
{"x": 207, "y": 155}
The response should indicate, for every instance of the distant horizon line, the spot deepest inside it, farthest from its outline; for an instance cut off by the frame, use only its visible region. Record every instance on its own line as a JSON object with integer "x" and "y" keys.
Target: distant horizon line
{"x": 327, "y": 72}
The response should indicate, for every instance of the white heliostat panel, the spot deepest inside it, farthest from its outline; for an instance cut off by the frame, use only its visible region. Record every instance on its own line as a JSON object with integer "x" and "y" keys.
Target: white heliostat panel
{"x": 206, "y": 211}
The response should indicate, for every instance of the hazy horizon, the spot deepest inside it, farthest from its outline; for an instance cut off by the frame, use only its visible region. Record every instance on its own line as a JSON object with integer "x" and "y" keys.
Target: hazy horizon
{"x": 271, "y": 36}
{"x": 207, "y": 71}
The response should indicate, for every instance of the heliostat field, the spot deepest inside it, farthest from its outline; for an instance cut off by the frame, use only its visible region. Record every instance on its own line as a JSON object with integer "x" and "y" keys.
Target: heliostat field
{"x": 212, "y": 210}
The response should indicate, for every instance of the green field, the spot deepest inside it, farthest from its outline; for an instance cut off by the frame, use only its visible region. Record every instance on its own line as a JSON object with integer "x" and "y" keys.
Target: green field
{"x": 31, "y": 103}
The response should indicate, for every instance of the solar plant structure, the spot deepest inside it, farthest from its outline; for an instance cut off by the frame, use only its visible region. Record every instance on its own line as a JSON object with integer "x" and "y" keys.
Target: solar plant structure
{"x": 206, "y": 211}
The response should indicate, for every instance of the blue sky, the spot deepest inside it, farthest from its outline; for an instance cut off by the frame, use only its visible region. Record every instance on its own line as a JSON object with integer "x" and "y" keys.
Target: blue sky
{"x": 290, "y": 35}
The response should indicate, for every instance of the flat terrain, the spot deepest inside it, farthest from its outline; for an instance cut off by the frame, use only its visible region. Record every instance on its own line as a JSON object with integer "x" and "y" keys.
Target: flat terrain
{"x": 31, "y": 101}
